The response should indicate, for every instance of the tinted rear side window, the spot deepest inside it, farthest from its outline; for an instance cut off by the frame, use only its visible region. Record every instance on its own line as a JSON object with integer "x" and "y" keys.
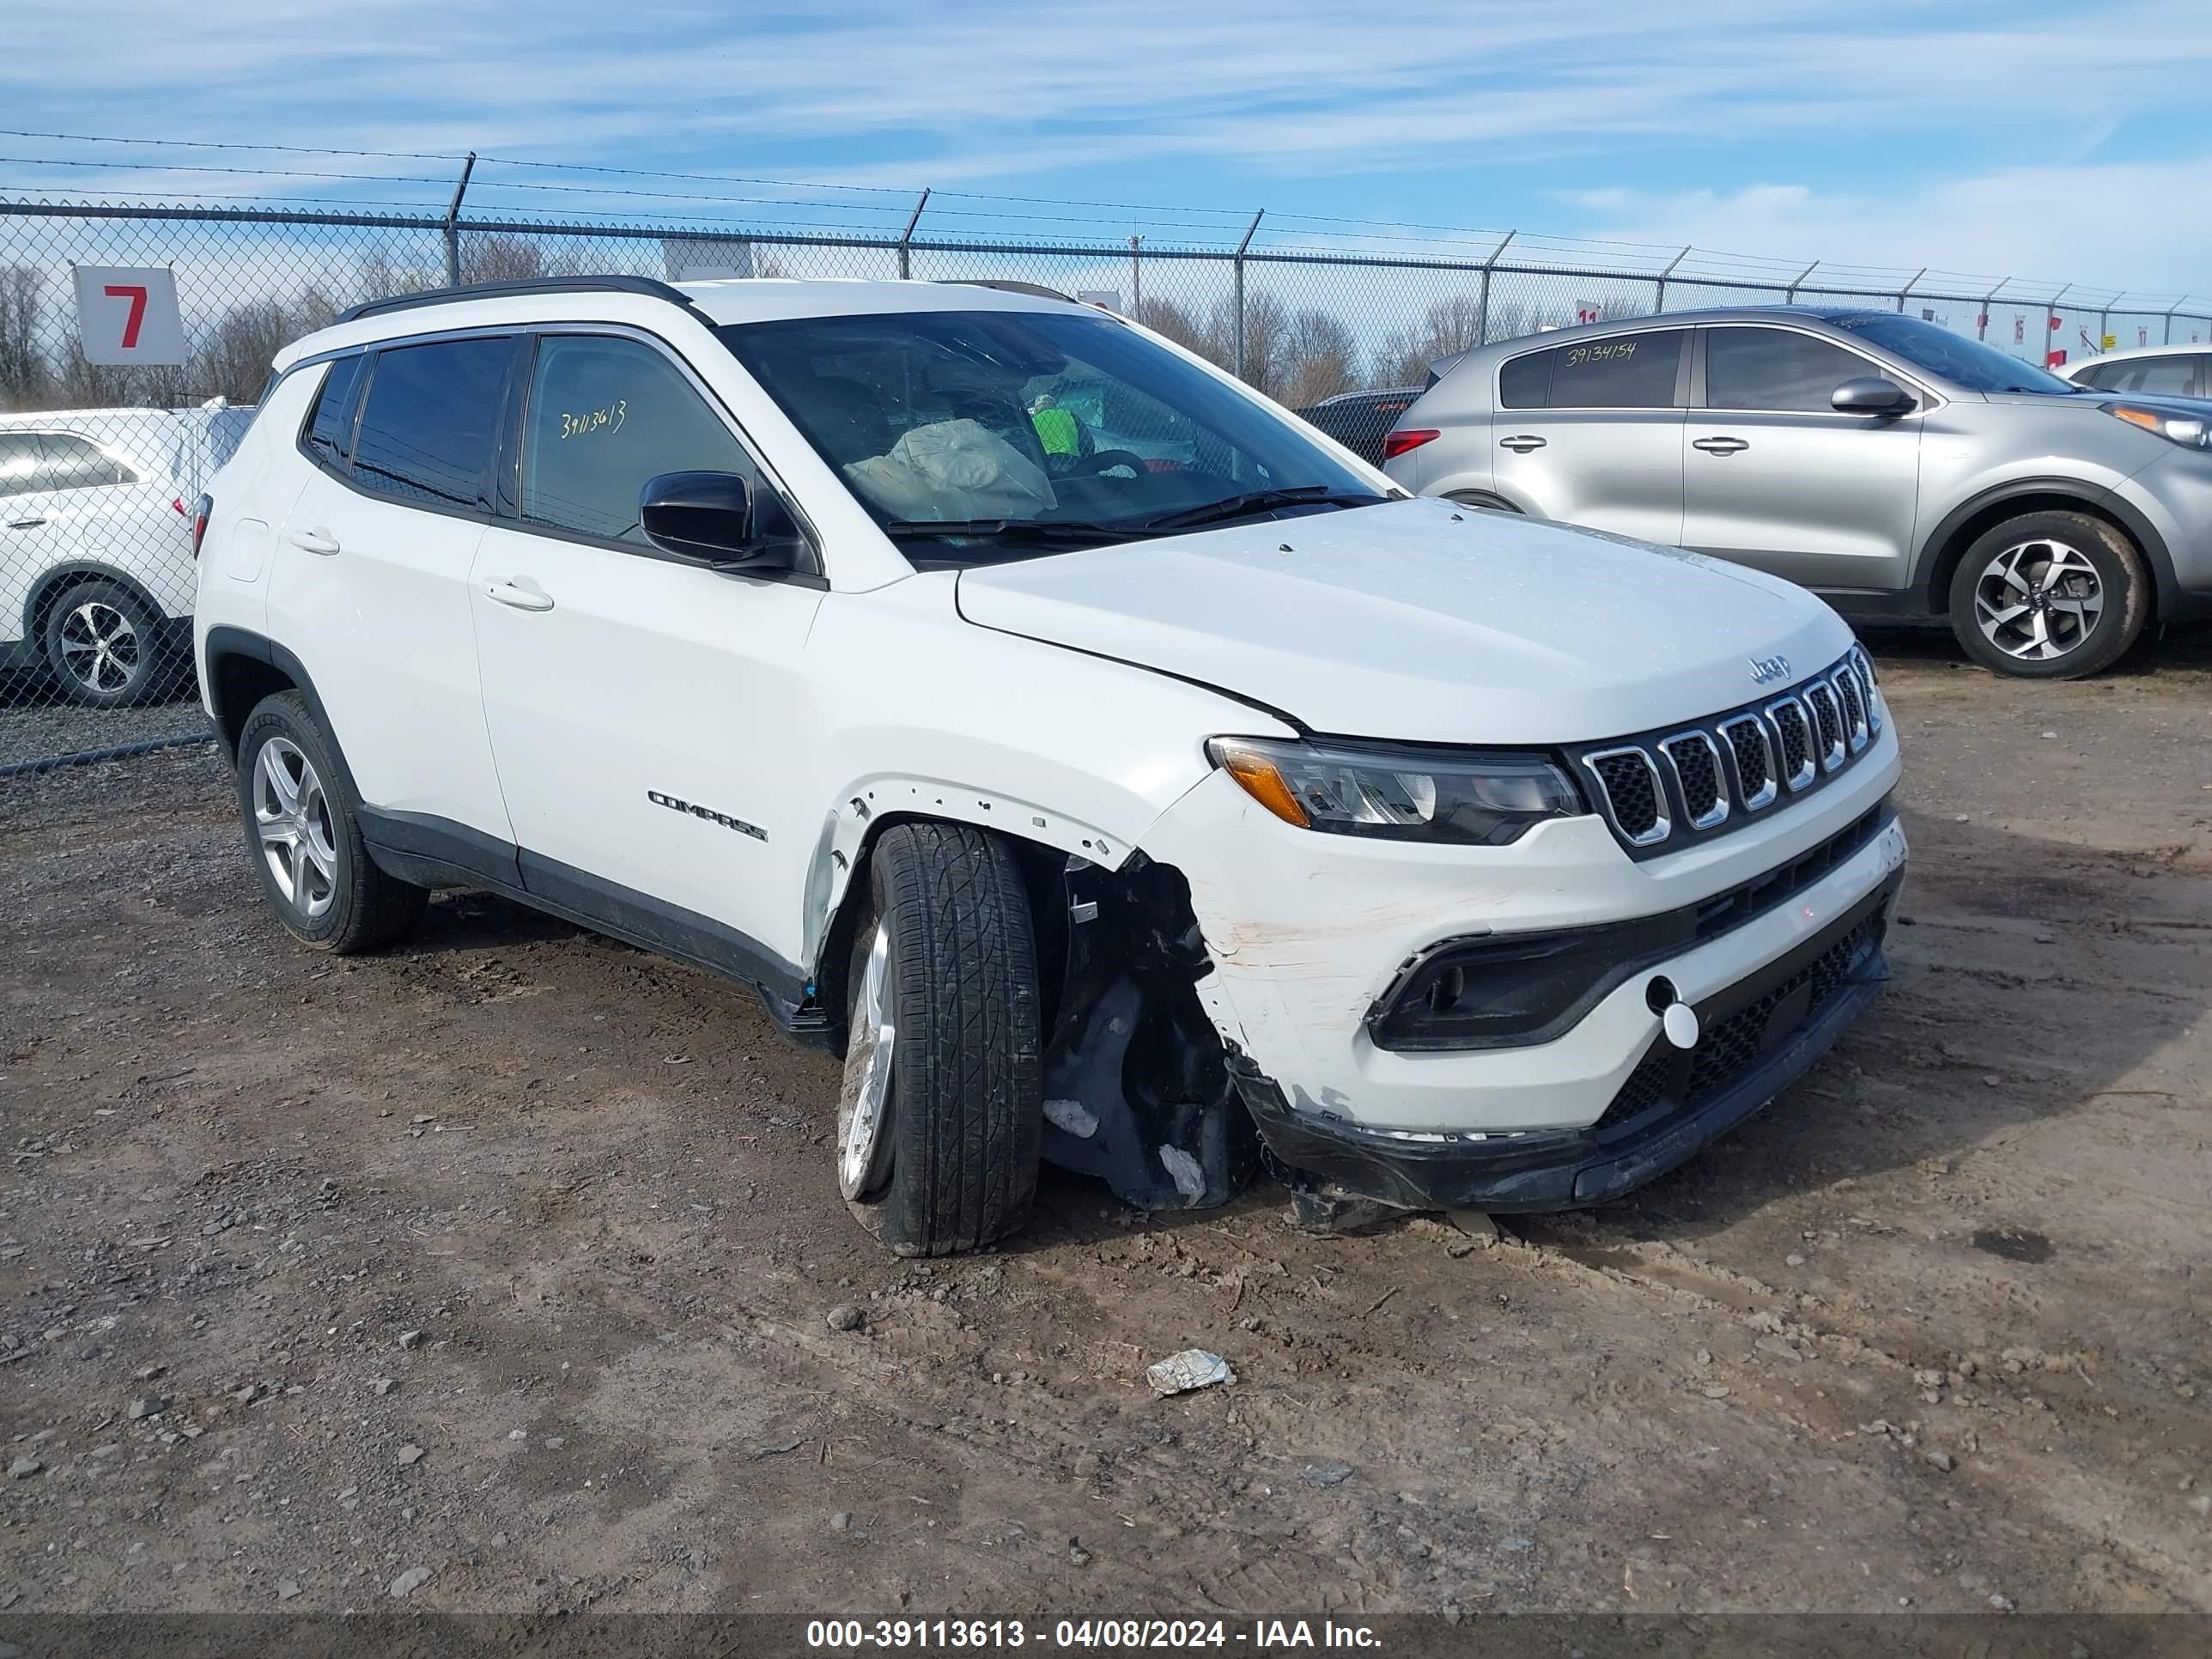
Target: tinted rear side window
{"x": 80, "y": 464}
{"x": 21, "y": 463}
{"x": 330, "y": 429}
{"x": 1776, "y": 369}
{"x": 1635, "y": 372}
{"x": 1526, "y": 382}
{"x": 2175, "y": 375}
{"x": 428, "y": 424}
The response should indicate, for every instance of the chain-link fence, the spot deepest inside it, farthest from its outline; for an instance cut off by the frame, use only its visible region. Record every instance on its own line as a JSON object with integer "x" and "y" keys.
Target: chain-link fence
{"x": 100, "y": 466}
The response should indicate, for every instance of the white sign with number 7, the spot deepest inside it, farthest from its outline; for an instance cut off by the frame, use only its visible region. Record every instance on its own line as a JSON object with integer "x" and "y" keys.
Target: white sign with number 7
{"x": 127, "y": 314}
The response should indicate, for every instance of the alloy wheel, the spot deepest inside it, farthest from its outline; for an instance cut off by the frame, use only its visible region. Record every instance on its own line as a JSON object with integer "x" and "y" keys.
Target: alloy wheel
{"x": 292, "y": 816}
{"x": 2038, "y": 600}
{"x": 100, "y": 647}
{"x": 863, "y": 1138}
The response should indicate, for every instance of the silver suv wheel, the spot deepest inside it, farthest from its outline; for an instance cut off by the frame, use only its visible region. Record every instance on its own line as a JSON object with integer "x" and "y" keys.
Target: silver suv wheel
{"x": 99, "y": 647}
{"x": 292, "y": 816}
{"x": 865, "y": 1111}
{"x": 2038, "y": 600}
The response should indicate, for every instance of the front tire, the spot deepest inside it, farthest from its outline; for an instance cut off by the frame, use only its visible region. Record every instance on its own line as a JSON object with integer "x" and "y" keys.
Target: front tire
{"x": 941, "y": 1112}
{"x": 2050, "y": 596}
{"x": 296, "y": 800}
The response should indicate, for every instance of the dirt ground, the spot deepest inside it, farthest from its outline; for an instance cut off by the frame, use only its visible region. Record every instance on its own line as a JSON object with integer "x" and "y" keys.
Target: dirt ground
{"x": 506, "y": 1257}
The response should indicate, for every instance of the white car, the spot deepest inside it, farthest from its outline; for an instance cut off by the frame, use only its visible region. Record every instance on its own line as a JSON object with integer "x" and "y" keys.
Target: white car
{"x": 96, "y": 570}
{"x": 1124, "y": 812}
{"x": 2171, "y": 371}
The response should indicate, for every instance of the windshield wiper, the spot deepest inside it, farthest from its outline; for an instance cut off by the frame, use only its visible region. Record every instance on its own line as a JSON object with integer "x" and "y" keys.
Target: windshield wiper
{"x": 1066, "y": 532}
{"x": 1260, "y": 501}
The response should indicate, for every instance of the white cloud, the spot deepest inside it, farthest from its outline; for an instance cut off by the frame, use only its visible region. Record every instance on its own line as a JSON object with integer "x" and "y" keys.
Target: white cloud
{"x": 2123, "y": 225}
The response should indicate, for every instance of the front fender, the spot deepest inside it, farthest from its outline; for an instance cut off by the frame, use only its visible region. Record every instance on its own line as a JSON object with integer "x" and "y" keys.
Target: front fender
{"x": 1075, "y": 753}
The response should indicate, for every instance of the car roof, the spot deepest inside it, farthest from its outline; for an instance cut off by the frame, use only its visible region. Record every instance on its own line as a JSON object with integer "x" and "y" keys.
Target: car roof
{"x": 2127, "y": 353}
{"x": 90, "y": 421}
{"x": 718, "y": 302}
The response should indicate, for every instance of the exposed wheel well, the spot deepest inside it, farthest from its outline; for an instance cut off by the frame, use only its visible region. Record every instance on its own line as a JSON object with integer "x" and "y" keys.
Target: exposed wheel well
{"x": 236, "y": 684}
{"x": 1937, "y": 592}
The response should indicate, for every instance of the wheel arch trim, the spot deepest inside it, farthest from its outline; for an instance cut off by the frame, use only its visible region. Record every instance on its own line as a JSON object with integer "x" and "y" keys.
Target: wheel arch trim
{"x": 1943, "y": 548}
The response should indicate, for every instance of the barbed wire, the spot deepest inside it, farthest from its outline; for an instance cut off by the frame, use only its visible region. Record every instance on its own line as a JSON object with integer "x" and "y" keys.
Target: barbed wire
{"x": 831, "y": 208}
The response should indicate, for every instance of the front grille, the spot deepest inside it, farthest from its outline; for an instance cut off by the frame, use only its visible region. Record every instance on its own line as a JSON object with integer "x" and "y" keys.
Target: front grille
{"x": 1659, "y": 790}
{"x": 1731, "y": 1046}
{"x": 1854, "y": 719}
{"x": 1632, "y": 794}
{"x": 1821, "y": 700}
{"x": 1697, "y": 766}
{"x": 1789, "y": 719}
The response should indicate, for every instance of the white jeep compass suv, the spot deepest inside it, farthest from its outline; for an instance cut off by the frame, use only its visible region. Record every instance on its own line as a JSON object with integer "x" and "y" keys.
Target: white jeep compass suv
{"x": 1138, "y": 802}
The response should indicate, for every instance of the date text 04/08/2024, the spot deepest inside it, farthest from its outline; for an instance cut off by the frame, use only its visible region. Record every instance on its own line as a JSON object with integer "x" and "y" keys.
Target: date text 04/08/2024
{"x": 927, "y": 1634}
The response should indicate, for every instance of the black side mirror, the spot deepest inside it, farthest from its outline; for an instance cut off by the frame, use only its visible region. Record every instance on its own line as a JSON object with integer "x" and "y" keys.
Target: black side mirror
{"x": 716, "y": 519}
{"x": 1869, "y": 394}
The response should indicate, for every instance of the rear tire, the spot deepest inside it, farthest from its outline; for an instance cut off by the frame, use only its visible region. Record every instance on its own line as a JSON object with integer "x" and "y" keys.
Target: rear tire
{"x": 295, "y": 799}
{"x": 2050, "y": 596}
{"x": 107, "y": 646}
{"x": 941, "y": 1113}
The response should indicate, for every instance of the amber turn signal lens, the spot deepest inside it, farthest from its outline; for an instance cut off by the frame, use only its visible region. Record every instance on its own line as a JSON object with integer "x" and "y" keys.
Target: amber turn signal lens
{"x": 2143, "y": 418}
{"x": 1260, "y": 778}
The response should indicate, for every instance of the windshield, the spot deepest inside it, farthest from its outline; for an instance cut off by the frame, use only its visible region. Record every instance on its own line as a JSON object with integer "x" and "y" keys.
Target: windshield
{"x": 1008, "y": 433}
{"x": 1968, "y": 364}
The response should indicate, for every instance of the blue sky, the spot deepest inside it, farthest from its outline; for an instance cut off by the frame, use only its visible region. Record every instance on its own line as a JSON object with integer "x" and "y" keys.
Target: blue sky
{"x": 2047, "y": 141}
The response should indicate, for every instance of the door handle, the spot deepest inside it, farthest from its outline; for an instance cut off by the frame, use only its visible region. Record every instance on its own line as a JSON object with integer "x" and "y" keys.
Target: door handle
{"x": 518, "y": 597}
{"x": 1521, "y": 443}
{"x": 318, "y": 540}
{"x": 25, "y": 524}
{"x": 1719, "y": 446}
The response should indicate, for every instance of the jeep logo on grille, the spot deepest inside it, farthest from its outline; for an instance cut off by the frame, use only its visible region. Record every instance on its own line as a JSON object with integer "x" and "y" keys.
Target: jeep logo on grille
{"x": 1765, "y": 671}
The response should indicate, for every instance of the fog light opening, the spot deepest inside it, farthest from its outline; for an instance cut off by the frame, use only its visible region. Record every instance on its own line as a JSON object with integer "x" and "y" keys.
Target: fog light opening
{"x": 1445, "y": 992}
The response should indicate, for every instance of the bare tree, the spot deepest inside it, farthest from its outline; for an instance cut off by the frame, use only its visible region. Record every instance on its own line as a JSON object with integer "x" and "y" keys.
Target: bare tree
{"x": 234, "y": 357}
{"x": 1267, "y": 335}
{"x": 1320, "y": 357}
{"x": 500, "y": 257}
{"x": 1178, "y": 324}
{"x": 1448, "y": 325}
{"x": 23, "y": 373}
{"x": 87, "y": 385}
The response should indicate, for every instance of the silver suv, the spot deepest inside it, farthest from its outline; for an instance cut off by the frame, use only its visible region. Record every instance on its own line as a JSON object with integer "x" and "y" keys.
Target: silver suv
{"x": 1897, "y": 469}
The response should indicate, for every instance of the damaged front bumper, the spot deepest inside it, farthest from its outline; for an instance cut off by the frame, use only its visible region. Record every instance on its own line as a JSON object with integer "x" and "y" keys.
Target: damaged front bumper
{"x": 1757, "y": 1036}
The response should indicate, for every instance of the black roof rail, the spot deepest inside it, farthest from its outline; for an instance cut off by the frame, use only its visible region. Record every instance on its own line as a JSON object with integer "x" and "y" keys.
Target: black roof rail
{"x": 648, "y": 287}
{"x": 1035, "y": 290}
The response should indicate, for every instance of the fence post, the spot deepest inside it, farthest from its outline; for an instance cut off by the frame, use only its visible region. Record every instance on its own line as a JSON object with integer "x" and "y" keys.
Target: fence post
{"x": 1136, "y": 281}
{"x": 1482, "y": 322}
{"x": 1989, "y": 301}
{"x": 1659, "y": 293}
{"x": 452, "y": 223}
{"x": 905, "y": 236}
{"x": 1789, "y": 293}
{"x": 1907, "y": 289}
{"x": 2166, "y": 337}
{"x": 1237, "y": 267}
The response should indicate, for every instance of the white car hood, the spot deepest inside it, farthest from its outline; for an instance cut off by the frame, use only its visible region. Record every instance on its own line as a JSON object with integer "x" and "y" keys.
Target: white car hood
{"x": 1423, "y": 622}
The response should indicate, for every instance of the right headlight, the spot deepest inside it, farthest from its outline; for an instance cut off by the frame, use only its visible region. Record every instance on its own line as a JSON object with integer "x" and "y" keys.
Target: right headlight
{"x": 2189, "y": 431}
{"x": 1399, "y": 794}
